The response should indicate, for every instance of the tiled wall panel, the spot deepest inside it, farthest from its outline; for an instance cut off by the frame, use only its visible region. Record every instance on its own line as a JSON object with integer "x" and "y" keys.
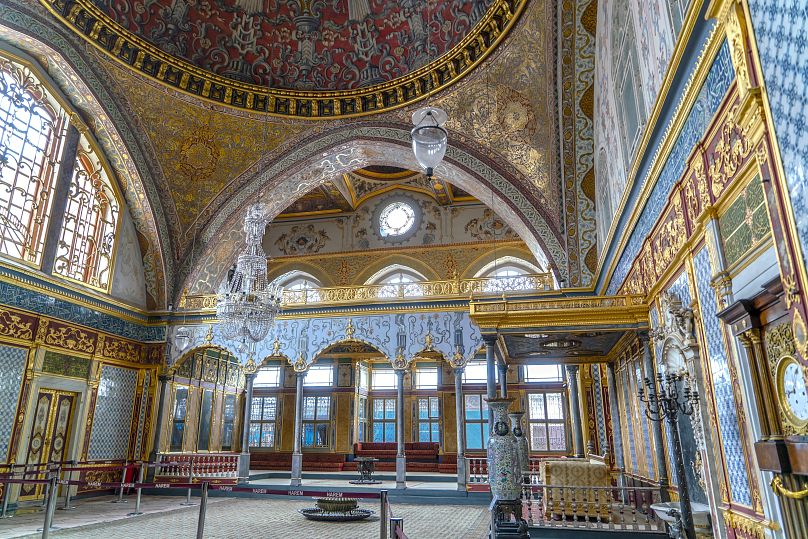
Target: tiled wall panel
{"x": 731, "y": 440}
{"x": 12, "y": 370}
{"x": 113, "y": 413}
{"x": 780, "y": 28}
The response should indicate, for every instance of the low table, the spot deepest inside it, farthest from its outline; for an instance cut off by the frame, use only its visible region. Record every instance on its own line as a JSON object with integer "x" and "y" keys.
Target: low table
{"x": 366, "y": 466}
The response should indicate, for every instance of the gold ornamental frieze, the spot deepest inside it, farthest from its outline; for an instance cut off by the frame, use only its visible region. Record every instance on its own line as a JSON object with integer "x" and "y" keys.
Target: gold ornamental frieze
{"x": 70, "y": 338}
{"x": 17, "y": 325}
{"x": 94, "y": 25}
{"x": 629, "y": 310}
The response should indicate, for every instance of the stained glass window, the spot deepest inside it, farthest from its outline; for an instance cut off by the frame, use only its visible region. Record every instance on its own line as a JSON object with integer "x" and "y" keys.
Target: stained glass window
{"x": 429, "y": 419}
{"x": 396, "y": 219}
{"x": 316, "y": 421}
{"x": 263, "y": 414}
{"x": 476, "y": 422}
{"x": 32, "y": 132}
{"x": 319, "y": 375}
{"x": 548, "y": 430}
{"x": 87, "y": 239}
{"x": 228, "y": 421}
{"x": 384, "y": 420}
{"x": 268, "y": 376}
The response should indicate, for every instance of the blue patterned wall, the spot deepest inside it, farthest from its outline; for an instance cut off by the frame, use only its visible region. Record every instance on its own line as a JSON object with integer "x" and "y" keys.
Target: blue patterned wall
{"x": 780, "y": 28}
{"x": 722, "y": 384}
{"x": 632, "y": 449}
{"x": 715, "y": 86}
{"x": 12, "y": 368}
{"x": 15, "y": 296}
{"x": 141, "y": 422}
{"x": 113, "y": 413}
{"x": 386, "y": 333}
{"x": 649, "y": 457}
{"x": 600, "y": 414}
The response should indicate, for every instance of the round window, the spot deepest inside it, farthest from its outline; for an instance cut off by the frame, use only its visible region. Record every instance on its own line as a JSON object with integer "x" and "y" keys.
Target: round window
{"x": 396, "y": 219}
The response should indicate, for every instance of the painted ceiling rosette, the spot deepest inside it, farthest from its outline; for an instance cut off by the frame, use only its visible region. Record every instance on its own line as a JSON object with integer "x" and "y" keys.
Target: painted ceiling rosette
{"x": 300, "y": 58}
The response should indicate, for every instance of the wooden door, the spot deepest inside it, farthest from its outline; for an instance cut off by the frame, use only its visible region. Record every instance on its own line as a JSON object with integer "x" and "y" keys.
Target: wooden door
{"x": 50, "y": 434}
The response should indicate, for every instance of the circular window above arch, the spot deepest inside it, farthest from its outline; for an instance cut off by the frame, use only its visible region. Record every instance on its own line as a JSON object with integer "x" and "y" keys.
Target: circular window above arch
{"x": 396, "y": 219}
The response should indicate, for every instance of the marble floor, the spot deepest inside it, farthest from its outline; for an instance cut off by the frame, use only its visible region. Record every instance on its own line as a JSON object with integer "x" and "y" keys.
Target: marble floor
{"x": 241, "y": 518}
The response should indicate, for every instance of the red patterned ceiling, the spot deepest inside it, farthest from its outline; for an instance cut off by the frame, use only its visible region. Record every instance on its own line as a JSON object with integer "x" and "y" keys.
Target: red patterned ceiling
{"x": 302, "y": 44}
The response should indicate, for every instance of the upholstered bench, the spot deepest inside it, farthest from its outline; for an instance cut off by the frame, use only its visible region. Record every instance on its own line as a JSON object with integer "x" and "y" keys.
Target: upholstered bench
{"x": 575, "y": 494}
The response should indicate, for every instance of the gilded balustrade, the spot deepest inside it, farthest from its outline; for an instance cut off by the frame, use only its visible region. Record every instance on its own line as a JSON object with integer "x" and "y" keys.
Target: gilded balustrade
{"x": 444, "y": 289}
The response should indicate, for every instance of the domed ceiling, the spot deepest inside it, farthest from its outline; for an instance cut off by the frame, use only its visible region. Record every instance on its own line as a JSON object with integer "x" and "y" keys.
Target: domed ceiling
{"x": 300, "y": 58}
{"x": 301, "y": 44}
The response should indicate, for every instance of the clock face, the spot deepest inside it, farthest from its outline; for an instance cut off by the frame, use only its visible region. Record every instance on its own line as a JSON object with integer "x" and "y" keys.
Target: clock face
{"x": 795, "y": 391}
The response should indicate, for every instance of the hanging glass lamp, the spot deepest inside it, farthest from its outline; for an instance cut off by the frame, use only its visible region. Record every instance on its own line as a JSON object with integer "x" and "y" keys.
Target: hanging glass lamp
{"x": 429, "y": 138}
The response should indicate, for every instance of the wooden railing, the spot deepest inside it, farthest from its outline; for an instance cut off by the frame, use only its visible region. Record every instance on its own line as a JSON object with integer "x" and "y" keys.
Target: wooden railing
{"x": 450, "y": 288}
{"x": 594, "y": 508}
{"x": 195, "y": 467}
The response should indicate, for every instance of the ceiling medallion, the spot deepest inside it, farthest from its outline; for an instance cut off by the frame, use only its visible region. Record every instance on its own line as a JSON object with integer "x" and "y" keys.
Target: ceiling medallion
{"x": 96, "y": 25}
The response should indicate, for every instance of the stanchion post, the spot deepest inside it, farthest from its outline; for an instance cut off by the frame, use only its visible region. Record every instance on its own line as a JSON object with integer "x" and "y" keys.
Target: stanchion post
{"x": 123, "y": 480}
{"x": 141, "y": 477}
{"x": 203, "y": 507}
{"x": 396, "y": 523}
{"x": 383, "y": 514}
{"x": 6, "y": 496}
{"x": 47, "y": 488}
{"x": 188, "y": 501}
{"x": 68, "y": 495}
{"x": 49, "y": 507}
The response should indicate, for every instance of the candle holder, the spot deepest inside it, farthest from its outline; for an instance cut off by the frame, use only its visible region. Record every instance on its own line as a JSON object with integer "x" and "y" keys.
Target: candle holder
{"x": 666, "y": 404}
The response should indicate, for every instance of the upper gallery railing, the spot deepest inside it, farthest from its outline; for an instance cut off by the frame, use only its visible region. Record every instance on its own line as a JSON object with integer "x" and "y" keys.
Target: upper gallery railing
{"x": 446, "y": 289}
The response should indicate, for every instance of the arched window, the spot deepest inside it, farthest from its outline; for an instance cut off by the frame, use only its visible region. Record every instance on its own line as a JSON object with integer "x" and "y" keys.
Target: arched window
{"x": 509, "y": 274}
{"x": 400, "y": 281}
{"x": 87, "y": 239}
{"x": 299, "y": 287}
{"x": 32, "y": 132}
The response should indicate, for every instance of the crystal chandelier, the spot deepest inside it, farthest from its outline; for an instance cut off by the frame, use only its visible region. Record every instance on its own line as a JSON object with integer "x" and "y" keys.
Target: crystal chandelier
{"x": 247, "y": 303}
{"x": 429, "y": 138}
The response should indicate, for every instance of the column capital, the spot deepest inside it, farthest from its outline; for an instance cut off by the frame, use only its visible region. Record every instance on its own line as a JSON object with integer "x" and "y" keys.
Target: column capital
{"x": 572, "y": 370}
{"x": 643, "y": 336}
{"x": 164, "y": 377}
{"x": 490, "y": 338}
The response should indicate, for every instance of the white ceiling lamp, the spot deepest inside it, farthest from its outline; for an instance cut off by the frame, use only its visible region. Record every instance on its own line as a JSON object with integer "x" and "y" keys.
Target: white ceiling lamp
{"x": 429, "y": 138}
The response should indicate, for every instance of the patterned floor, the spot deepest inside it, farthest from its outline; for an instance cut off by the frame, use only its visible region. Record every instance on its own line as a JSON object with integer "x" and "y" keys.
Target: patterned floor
{"x": 244, "y": 518}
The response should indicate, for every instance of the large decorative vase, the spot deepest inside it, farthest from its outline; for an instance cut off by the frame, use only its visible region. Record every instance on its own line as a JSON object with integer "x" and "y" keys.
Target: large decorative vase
{"x": 522, "y": 450}
{"x": 504, "y": 474}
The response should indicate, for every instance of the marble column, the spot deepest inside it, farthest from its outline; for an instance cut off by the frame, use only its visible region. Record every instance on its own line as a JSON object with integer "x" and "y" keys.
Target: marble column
{"x": 503, "y": 379}
{"x": 656, "y": 426}
{"x": 461, "y": 430}
{"x": 575, "y": 405}
{"x": 297, "y": 453}
{"x": 401, "y": 459}
{"x": 614, "y": 413}
{"x": 244, "y": 458}
{"x": 158, "y": 430}
{"x": 491, "y": 378}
